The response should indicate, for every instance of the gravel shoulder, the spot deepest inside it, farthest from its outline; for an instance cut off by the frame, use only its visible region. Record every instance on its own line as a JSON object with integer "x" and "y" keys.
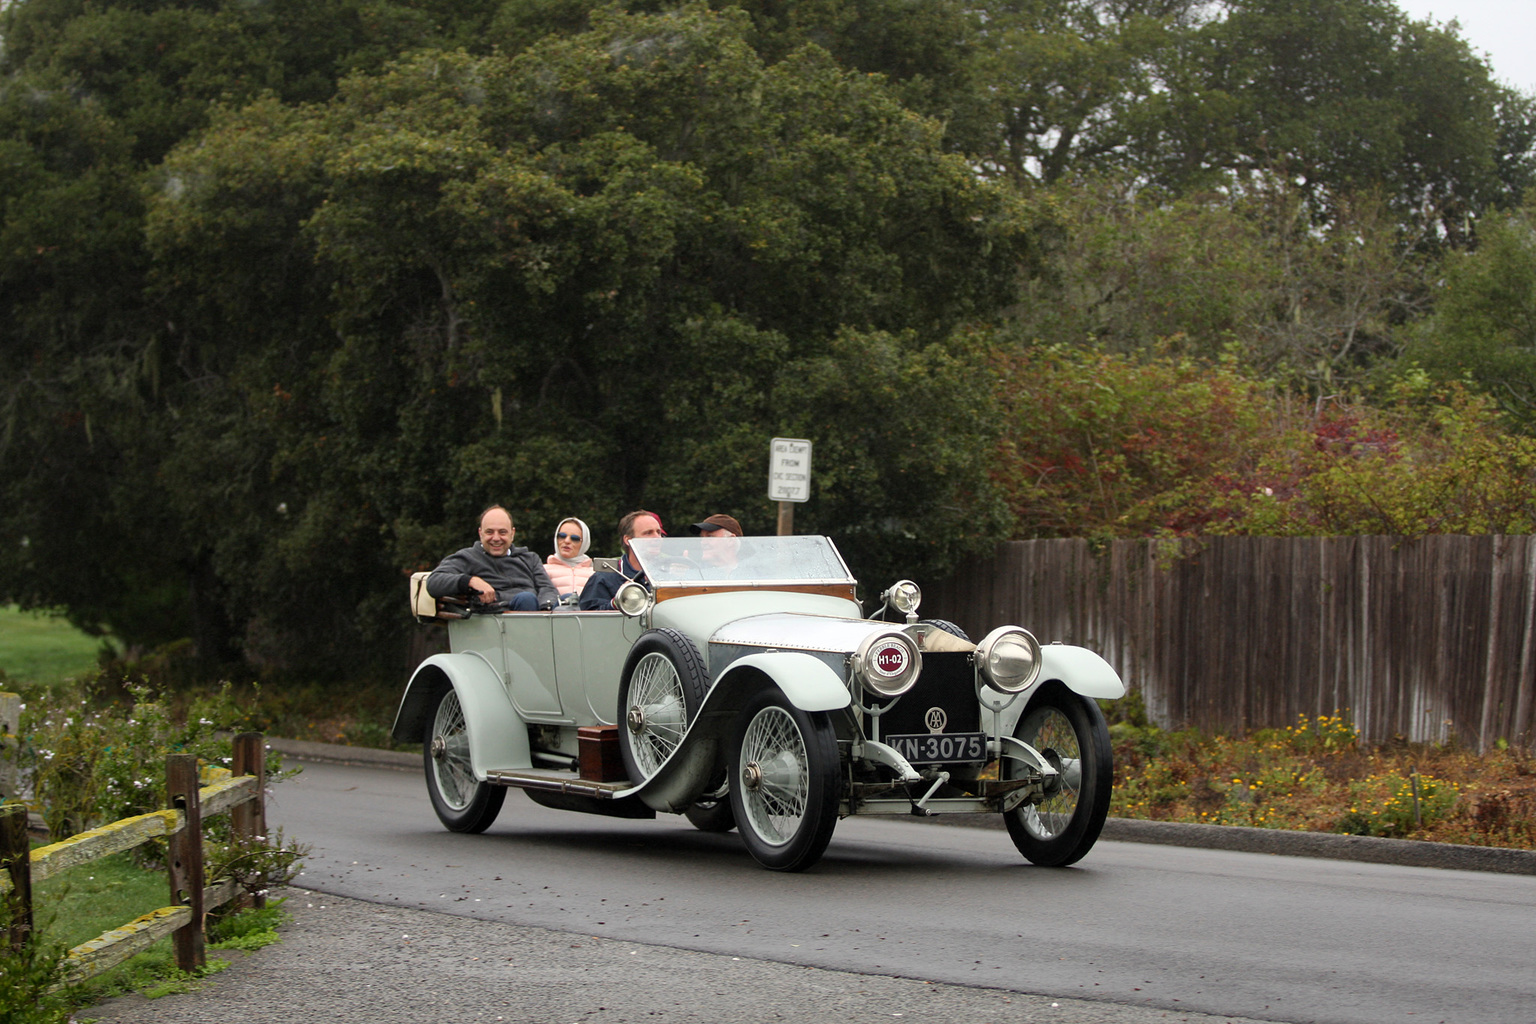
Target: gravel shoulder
{"x": 347, "y": 960}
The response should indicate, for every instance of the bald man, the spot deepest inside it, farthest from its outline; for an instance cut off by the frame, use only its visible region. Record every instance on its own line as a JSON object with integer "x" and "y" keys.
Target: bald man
{"x": 494, "y": 570}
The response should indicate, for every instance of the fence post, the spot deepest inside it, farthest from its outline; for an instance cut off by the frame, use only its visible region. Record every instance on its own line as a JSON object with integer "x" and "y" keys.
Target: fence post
{"x": 249, "y": 820}
{"x": 10, "y": 743}
{"x": 16, "y": 857}
{"x": 185, "y": 858}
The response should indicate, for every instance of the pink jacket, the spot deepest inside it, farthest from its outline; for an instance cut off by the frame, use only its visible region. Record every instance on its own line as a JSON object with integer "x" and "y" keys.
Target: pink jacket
{"x": 568, "y": 578}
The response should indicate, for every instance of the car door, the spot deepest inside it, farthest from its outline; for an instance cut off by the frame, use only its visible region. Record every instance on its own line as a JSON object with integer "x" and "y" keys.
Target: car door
{"x": 528, "y": 664}
{"x": 590, "y": 648}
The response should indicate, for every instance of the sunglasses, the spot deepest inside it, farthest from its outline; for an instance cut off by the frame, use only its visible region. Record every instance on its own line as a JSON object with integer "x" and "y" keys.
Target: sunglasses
{"x": 568, "y": 536}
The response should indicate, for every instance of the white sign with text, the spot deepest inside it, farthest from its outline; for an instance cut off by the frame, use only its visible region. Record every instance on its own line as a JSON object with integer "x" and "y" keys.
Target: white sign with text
{"x": 789, "y": 469}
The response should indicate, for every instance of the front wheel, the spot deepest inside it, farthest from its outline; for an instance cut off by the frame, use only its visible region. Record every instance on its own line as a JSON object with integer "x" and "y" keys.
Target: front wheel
{"x": 784, "y": 782}
{"x": 664, "y": 683}
{"x": 462, "y": 804}
{"x": 1069, "y": 730}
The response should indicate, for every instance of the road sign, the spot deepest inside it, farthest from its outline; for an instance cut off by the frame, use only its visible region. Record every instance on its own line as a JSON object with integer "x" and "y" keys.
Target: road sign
{"x": 789, "y": 469}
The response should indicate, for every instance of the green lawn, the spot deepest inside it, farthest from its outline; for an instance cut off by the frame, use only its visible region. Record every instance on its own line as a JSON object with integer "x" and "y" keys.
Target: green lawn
{"x": 93, "y": 898}
{"x": 43, "y": 648}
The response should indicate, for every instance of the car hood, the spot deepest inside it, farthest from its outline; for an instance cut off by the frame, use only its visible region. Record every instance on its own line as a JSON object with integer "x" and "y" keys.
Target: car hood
{"x": 799, "y": 632}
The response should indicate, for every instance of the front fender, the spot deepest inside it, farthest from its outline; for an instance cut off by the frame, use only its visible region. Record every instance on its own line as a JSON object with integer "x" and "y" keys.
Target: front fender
{"x": 809, "y": 684}
{"x": 498, "y": 737}
{"x": 1082, "y": 670}
{"x": 1077, "y": 668}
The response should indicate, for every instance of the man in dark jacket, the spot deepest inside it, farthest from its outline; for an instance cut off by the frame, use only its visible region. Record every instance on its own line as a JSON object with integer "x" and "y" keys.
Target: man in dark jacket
{"x": 597, "y": 595}
{"x": 494, "y": 570}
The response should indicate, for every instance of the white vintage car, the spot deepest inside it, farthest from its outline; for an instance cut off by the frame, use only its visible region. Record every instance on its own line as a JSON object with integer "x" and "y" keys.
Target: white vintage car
{"x": 760, "y": 697}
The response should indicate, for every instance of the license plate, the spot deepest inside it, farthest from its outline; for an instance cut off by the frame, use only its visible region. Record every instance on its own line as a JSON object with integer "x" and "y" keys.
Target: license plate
{"x": 933, "y": 748}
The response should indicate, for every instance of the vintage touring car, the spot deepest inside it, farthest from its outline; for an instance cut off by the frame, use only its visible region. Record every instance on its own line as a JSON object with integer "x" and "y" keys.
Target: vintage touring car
{"x": 758, "y": 696}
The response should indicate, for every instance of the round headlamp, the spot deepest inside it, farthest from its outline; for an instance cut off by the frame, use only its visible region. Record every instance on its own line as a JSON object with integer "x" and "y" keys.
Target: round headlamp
{"x": 904, "y": 596}
{"x": 1009, "y": 659}
{"x": 632, "y": 599}
{"x": 887, "y": 664}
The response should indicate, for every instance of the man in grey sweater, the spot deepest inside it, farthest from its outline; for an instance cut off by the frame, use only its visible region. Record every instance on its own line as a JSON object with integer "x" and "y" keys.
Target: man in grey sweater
{"x": 493, "y": 570}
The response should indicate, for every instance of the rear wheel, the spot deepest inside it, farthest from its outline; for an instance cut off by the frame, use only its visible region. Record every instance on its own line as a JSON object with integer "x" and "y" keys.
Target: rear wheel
{"x": 712, "y": 812}
{"x": 664, "y": 684}
{"x": 462, "y": 803}
{"x": 784, "y": 782}
{"x": 1069, "y": 730}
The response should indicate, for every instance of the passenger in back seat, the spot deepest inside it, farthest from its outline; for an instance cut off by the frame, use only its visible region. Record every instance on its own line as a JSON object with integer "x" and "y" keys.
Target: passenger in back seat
{"x": 570, "y": 566}
{"x": 597, "y": 595}
{"x": 494, "y": 570}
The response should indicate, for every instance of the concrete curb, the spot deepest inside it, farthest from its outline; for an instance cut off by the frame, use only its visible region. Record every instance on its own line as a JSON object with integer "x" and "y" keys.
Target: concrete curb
{"x": 1285, "y": 843}
{"x": 332, "y": 753}
{"x": 1279, "y": 842}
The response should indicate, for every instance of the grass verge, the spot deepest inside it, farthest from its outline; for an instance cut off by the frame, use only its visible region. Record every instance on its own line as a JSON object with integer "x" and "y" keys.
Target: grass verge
{"x": 45, "y": 648}
{"x": 92, "y": 899}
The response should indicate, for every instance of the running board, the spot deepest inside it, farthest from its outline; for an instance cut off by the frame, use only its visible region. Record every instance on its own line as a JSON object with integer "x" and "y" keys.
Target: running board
{"x": 568, "y": 791}
{"x": 553, "y": 781}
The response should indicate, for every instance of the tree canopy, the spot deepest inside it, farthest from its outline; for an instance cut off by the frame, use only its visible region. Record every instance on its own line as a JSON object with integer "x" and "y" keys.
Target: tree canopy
{"x": 292, "y": 290}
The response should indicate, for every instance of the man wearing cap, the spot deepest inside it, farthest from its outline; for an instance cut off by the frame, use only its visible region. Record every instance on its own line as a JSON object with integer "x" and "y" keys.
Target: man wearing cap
{"x": 597, "y": 595}
{"x": 494, "y": 570}
{"x": 720, "y": 534}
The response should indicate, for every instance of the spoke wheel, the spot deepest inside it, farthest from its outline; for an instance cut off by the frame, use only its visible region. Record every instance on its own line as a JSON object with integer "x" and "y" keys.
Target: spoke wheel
{"x": 784, "y": 782}
{"x": 664, "y": 684}
{"x": 462, "y": 803}
{"x": 1069, "y": 730}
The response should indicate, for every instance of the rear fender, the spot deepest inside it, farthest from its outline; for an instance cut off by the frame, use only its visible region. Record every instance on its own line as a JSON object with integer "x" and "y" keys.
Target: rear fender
{"x": 498, "y": 737}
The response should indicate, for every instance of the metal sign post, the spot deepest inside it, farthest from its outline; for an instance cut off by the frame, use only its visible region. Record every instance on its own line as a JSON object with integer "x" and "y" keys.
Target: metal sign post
{"x": 789, "y": 478}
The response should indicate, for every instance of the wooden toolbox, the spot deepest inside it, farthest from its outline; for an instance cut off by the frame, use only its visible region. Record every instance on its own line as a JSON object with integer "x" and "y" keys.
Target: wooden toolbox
{"x": 599, "y": 749}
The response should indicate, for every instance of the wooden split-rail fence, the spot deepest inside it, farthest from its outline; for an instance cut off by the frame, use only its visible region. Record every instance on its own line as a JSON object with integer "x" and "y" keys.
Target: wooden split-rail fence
{"x": 239, "y": 792}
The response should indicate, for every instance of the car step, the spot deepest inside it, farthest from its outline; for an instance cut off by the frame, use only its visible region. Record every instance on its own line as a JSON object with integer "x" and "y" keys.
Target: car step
{"x": 556, "y": 782}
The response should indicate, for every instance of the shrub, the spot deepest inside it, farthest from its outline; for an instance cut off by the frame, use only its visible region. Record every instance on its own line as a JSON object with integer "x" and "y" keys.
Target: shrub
{"x": 92, "y": 760}
{"x": 1393, "y": 805}
{"x": 29, "y": 980}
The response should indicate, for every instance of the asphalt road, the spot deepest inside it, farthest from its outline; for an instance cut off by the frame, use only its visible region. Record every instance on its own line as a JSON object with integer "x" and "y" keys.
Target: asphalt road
{"x": 586, "y": 918}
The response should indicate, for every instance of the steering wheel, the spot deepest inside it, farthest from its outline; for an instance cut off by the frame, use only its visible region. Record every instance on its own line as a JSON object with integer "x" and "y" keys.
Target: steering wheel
{"x": 685, "y": 562}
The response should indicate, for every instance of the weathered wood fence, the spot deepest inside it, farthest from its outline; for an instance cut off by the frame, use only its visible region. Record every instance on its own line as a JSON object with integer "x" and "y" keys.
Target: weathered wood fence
{"x": 1430, "y": 639}
{"x": 240, "y": 793}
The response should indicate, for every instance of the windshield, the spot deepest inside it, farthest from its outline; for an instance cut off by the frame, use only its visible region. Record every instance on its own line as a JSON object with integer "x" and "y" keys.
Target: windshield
{"x": 683, "y": 561}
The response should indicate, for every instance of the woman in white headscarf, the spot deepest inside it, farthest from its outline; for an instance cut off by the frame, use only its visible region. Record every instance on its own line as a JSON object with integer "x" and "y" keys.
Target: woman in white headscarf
{"x": 569, "y": 567}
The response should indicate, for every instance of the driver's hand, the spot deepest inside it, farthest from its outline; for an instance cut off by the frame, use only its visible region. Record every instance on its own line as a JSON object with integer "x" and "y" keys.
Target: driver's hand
{"x": 485, "y": 590}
